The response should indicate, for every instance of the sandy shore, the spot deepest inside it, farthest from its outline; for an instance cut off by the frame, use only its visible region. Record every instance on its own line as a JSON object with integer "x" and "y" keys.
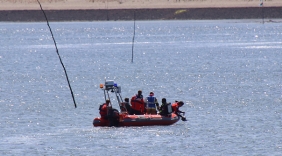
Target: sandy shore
{"x": 131, "y": 4}
{"x": 98, "y": 10}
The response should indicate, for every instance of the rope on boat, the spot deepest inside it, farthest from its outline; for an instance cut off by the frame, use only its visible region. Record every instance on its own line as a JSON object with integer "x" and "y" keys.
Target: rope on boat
{"x": 58, "y": 53}
{"x": 133, "y": 38}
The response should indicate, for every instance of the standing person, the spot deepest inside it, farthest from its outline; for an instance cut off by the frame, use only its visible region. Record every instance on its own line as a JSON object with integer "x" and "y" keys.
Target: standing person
{"x": 151, "y": 103}
{"x": 137, "y": 104}
{"x": 175, "y": 109}
{"x": 104, "y": 110}
{"x": 164, "y": 107}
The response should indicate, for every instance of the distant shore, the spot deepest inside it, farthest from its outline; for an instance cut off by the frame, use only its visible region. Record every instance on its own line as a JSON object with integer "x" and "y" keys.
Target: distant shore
{"x": 142, "y": 14}
{"x": 101, "y": 10}
{"x": 132, "y": 4}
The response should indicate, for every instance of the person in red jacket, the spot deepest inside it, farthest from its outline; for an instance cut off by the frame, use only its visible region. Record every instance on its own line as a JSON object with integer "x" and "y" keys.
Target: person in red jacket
{"x": 137, "y": 104}
{"x": 175, "y": 109}
{"x": 104, "y": 110}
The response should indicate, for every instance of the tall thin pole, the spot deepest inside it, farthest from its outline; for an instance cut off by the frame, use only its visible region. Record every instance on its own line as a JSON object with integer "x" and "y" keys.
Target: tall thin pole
{"x": 133, "y": 38}
{"x": 261, "y": 5}
{"x": 58, "y": 54}
{"x": 107, "y": 10}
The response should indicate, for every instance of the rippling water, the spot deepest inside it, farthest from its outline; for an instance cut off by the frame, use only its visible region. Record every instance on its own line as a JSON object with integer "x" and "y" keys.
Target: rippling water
{"x": 228, "y": 72}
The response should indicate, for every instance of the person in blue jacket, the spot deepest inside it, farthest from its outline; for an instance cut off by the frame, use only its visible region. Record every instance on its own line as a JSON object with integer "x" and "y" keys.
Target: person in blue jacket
{"x": 151, "y": 104}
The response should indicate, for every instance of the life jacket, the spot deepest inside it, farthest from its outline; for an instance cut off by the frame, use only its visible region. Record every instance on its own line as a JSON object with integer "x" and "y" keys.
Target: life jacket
{"x": 175, "y": 107}
{"x": 151, "y": 102}
{"x": 103, "y": 110}
{"x": 137, "y": 103}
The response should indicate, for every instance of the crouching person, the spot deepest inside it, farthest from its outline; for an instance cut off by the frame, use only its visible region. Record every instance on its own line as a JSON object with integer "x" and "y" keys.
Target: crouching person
{"x": 175, "y": 108}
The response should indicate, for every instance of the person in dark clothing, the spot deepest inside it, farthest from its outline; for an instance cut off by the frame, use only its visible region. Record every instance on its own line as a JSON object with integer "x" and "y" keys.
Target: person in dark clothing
{"x": 113, "y": 117}
{"x": 164, "y": 107}
{"x": 127, "y": 106}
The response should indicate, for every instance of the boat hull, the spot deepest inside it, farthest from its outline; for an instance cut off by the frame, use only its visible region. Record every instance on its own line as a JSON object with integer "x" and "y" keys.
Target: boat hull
{"x": 139, "y": 120}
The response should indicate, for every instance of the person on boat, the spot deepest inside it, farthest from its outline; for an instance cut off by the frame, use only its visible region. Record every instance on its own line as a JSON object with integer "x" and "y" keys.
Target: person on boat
{"x": 127, "y": 105}
{"x": 151, "y": 103}
{"x": 104, "y": 110}
{"x": 109, "y": 113}
{"x": 175, "y": 109}
{"x": 123, "y": 107}
{"x": 113, "y": 116}
{"x": 137, "y": 104}
{"x": 164, "y": 107}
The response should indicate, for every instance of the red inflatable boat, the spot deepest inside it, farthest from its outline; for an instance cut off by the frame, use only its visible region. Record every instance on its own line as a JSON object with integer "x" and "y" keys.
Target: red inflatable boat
{"x": 139, "y": 120}
{"x": 122, "y": 118}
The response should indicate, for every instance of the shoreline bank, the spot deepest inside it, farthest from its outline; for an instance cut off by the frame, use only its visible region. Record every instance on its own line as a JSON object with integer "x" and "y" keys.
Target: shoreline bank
{"x": 132, "y": 4}
{"x": 142, "y": 14}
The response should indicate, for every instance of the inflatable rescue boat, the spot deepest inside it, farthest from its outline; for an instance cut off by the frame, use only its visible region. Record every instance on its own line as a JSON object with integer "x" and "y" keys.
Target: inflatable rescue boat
{"x": 138, "y": 120}
{"x": 122, "y": 118}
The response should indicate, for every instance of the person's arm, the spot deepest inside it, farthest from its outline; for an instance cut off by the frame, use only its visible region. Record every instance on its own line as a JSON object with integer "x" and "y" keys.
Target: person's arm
{"x": 160, "y": 108}
{"x": 145, "y": 102}
{"x": 179, "y": 111}
{"x": 157, "y": 104}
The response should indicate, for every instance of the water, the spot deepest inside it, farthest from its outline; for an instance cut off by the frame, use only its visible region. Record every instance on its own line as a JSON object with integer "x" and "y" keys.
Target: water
{"x": 228, "y": 73}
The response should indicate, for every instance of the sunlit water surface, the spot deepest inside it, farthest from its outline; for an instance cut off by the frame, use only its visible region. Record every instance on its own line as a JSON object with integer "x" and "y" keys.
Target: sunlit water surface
{"x": 227, "y": 72}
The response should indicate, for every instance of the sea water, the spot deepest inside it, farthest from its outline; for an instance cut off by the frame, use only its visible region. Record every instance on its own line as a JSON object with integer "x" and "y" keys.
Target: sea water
{"x": 227, "y": 72}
